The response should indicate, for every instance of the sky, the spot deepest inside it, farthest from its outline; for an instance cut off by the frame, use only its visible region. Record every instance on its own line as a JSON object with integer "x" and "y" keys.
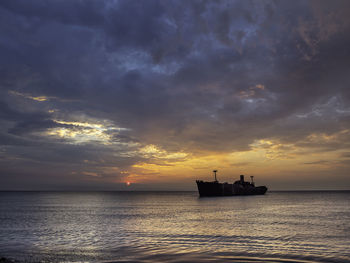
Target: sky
{"x": 96, "y": 94}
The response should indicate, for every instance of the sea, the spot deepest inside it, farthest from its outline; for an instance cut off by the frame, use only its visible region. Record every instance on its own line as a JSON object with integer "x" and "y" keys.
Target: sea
{"x": 174, "y": 227}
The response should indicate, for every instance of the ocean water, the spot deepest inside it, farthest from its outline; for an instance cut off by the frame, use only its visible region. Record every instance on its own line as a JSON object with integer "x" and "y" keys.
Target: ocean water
{"x": 174, "y": 227}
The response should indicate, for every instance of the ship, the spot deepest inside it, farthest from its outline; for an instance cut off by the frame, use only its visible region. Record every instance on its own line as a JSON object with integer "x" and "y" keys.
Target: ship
{"x": 239, "y": 187}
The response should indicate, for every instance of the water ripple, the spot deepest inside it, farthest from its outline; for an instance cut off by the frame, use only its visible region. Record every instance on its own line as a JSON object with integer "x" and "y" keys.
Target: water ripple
{"x": 174, "y": 227}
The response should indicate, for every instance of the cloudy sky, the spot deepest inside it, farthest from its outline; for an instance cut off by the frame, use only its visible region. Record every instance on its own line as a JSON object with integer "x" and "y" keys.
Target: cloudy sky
{"x": 94, "y": 94}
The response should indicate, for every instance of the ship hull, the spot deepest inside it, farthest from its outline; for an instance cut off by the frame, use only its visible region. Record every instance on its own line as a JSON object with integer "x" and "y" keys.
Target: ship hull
{"x": 225, "y": 189}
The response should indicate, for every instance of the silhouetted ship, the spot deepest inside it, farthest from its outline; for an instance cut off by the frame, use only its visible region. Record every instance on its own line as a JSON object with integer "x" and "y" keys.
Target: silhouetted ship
{"x": 239, "y": 187}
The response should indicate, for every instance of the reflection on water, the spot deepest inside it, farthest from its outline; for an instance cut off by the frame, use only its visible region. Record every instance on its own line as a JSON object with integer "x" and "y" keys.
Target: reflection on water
{"x": 175, "y": 227}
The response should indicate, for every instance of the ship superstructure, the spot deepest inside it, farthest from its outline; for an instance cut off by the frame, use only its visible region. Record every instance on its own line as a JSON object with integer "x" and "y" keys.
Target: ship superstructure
{"x": 239, "y": 187}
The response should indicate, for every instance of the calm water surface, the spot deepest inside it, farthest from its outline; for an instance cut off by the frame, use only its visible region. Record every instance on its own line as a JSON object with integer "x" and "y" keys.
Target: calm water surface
{"x": 174, "y": 227}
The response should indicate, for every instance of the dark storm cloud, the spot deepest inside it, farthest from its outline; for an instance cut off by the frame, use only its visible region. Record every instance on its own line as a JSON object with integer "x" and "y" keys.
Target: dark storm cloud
{"x": 85, "y": 13}
{"x": 183, "y": 75}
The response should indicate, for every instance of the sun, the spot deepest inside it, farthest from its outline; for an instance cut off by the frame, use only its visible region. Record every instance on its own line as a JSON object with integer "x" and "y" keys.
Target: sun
{"x": 128, "y": 183}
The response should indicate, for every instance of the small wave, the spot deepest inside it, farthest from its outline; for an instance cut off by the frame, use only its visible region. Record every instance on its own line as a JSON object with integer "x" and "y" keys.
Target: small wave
{"x": 225, "y": 257}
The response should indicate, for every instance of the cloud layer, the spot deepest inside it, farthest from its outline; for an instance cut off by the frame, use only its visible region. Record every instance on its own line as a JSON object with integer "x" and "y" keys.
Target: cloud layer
{"x": 94, "y": 93}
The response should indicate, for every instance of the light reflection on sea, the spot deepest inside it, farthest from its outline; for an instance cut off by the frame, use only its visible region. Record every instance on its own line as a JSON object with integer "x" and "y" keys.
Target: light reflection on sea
{"x": 174, "y": 227}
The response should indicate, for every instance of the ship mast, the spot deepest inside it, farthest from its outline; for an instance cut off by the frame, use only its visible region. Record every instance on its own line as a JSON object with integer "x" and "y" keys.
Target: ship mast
{"x": 215, "y": 171}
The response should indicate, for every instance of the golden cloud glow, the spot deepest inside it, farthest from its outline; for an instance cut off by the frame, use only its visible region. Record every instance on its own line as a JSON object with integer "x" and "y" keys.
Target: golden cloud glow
{"x": 260, "y": 86}
{"x": 265, "y": 159}
{"x": 80, "y": 124}
{"x": 251, "y": 91}
{"x": 28, "y": 96}
{"x": 80, "y": 136}
{"x": 153, "y": 151}
{"x": 83, "y": 132}
{"x": 274, "y": 149}
{"x": 91, "y": 174}
{"x": 326, "y": 138}
{"x": 39, "y": 98}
